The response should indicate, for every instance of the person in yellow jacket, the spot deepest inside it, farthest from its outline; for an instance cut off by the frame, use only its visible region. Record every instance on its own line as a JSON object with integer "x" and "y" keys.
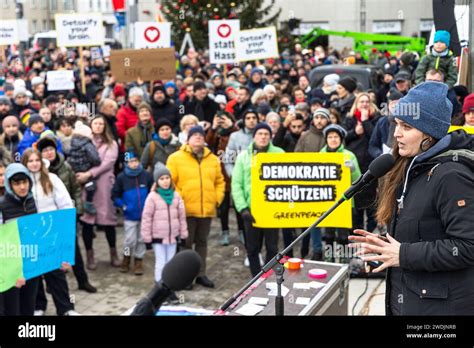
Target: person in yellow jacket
{"x": 198, "y": 177}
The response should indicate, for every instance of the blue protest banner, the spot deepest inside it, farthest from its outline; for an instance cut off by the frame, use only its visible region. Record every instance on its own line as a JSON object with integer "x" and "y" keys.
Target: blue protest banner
{"x": 47, "y": 240}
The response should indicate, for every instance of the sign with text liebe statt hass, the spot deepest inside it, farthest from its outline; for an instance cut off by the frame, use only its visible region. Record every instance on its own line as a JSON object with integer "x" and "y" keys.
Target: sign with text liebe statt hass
{"x": 295, "y": 189}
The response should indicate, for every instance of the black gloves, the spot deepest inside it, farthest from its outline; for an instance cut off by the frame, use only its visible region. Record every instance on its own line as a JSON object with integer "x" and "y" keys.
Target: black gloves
{"x": 149, "y": 246}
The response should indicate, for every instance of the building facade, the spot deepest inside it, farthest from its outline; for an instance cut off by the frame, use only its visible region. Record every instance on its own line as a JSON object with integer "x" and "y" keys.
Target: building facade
{"x": 401, "y": 17}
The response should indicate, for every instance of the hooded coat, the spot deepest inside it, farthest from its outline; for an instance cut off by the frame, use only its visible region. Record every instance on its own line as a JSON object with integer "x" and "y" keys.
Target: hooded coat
{"x": 434, "y": 224}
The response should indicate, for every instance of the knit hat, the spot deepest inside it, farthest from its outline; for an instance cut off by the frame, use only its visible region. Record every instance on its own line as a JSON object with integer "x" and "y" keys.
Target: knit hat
{"x": 322, "y": 112}
{"x": 256, "y": 71}
{"x": 335, "y": 128}
{"x": 5, "y": 101}
{"x": 82, "y": 130}
{"x": 46, "y": 141}
{"x": 468, "y": 104}
{"x": 229, "y": 89}
{"x": 160, "y": 170}
{"x": 220, "y": 99}
{"x": 349, "y": 83}
{"x": 34, "y": 118}
{"x": 9, "y": 120}
{"x": 331, "y": 79}
{"x": 426, "y": 108}
{"x": 19, "y": 91}
{"x": 163, "y": 122}
{"x": 270, "y": 88}
{"x": 394, "y": 94}
{"x": 171, "y": 84}
{"x": 443, "y": 36}
{"x": 144, "y": 105}
{"x": 194, "y": 130}
{"x": 119, "y": 90}
{"x": 264, "y": 108}
{"x": 37, "y": 80}
{"x": 261, "y": 125}
{"x": 19, "y": 83}
{"x": 131, "y": 154}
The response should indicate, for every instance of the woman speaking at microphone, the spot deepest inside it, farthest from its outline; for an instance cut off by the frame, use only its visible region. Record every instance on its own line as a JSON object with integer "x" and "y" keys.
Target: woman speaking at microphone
{"x": 427, "y": 202}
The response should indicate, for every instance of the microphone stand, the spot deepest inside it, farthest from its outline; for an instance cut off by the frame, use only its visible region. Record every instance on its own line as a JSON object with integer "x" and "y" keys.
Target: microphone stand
{"x": 279, "y": 269}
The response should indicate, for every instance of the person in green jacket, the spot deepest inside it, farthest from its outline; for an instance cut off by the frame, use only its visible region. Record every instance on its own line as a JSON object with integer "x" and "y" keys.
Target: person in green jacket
{"x": 240, "y": 188}
{"x": 440, "y": 58}
{"x": 334, "y": 135}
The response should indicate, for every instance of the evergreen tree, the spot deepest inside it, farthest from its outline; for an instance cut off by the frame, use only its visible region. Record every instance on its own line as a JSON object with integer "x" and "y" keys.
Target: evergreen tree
{"x": 193, "y": 16}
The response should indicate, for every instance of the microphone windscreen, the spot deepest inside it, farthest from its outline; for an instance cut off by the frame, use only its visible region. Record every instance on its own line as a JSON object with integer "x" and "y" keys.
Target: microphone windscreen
{"x": 181, "y": 270}
{"x": 381, "y": 165}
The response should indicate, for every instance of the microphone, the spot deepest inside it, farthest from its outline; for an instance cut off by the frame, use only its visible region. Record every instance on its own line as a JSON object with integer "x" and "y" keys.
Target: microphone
{"x": 177, "y": 274}
{"x": 377, "y": 168}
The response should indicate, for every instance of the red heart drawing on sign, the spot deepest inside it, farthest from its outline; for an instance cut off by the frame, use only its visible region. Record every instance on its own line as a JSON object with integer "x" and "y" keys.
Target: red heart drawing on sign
{"x": 224, "y": 30}
{"x": 152, "y": 34}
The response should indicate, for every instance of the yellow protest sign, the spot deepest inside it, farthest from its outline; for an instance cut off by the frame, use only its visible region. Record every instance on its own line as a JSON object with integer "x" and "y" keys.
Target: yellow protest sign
{"x": 295, "y": 189}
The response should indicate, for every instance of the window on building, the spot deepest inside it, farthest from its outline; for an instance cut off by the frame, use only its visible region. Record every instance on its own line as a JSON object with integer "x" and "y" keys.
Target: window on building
{"x": 68, "y": 5}
{"x": 45, "y": 24}
{"x": 5, "y": 3}
{"x": 44, "y": 4}
{"x": 53, "y": 5}
{"x": 33, "y": 3}
{"x": 52, "y": 24}
{"x": 34, "y": 25}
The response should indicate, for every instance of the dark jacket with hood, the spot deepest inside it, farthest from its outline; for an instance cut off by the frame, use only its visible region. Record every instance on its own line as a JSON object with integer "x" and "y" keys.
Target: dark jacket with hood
{"x": 285, "y": 139}
{"x": 166, "y": 110}
{"x": 130, "y": 191}
{"x": 434, "y": 224}
{"x": 204, "y": 110}
{"x": 64, "y": 171}
{"x": 12, "y": 206}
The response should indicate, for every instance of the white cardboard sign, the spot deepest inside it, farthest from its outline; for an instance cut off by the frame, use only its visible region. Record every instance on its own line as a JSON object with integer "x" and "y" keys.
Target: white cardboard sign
{"x": 255, "y": 44}
{"x": 222, "y": 35}
{"x": 152, "y": 35}
{"x": 59, "y": 80}
{"x": 75, "y": 30}
{"x": 9, "y": 34}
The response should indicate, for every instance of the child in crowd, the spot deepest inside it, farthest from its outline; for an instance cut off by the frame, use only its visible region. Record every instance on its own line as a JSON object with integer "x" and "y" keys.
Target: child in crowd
{"x": 129, "y": 193}
{"x": 163, "y": 220}
{"x": 64, "y": 133}
{"x": 11, "y": 136}
{"x": 83, "y": 156}
{"x": 440, "y": 59}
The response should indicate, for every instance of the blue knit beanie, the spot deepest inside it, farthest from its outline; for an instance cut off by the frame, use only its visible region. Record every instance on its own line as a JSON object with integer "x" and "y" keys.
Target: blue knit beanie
{"x": 443, "y": 36}
{"x": 426, "y": 108}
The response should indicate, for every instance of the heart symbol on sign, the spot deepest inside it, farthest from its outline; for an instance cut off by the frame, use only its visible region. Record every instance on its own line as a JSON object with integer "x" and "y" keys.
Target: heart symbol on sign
{"x": 152, "y": 34}
{"x": 224, "y": 30}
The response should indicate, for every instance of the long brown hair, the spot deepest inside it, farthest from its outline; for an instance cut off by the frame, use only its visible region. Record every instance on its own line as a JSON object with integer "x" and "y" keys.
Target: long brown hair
{"x": 107, "y": 134}
{"x": 389, "y": 184}
{"x": 45, "y": 182}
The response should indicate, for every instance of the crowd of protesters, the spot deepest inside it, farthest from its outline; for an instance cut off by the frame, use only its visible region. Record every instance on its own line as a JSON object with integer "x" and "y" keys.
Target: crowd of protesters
{"x": 167, "y": 157}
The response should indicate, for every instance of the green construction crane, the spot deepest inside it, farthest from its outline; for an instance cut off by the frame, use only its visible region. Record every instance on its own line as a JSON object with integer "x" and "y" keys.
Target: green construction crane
{"x": 365, "y": 42}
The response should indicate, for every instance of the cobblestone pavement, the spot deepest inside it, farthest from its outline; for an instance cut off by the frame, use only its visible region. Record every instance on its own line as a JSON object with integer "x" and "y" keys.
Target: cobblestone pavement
{"x": 118, "y": 292}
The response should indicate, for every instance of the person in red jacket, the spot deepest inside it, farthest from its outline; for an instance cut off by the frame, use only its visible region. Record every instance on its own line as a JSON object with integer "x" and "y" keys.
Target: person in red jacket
{"x": 127, "y": 116}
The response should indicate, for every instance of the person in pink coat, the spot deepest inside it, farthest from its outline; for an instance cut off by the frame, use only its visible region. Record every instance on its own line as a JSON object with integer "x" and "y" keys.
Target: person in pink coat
{"x": 163, "y": 220}
{"x": 103, "y": 175}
